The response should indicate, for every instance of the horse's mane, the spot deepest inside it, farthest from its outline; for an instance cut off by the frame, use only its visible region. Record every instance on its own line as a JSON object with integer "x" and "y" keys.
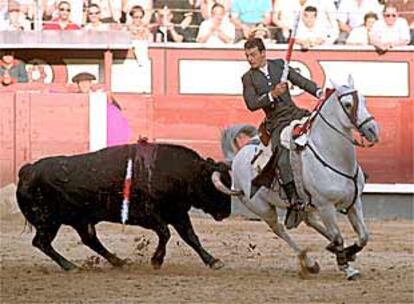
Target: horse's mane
{"x": 228, "y": 136}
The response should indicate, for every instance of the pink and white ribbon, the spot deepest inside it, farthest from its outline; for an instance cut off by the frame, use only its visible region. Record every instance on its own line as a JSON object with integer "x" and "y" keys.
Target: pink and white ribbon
{"x": 126, "y": 192}
{"x": 292, "y": 37}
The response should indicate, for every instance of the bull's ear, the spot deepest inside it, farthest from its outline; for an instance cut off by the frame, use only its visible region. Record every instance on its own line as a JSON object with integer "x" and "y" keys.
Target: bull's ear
{"x": 223, "y": 167}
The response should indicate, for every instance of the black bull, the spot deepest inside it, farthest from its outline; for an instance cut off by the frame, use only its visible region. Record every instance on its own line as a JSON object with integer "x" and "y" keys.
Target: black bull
{"x": 82, "y": 190}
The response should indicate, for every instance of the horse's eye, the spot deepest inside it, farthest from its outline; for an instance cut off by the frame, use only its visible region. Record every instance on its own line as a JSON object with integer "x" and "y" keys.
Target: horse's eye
{"x": 348, "y": 105}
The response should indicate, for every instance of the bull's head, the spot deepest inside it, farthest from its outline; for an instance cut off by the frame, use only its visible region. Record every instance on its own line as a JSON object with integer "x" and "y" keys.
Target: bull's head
{"x": 210, "y": 199}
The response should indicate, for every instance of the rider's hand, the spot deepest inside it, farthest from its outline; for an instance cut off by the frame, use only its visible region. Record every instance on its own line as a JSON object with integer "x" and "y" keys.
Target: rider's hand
{"x": 279, "y": 89}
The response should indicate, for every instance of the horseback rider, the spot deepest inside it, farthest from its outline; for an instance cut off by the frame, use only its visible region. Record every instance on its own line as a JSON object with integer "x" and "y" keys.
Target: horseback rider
{"x": 262, "y": 89}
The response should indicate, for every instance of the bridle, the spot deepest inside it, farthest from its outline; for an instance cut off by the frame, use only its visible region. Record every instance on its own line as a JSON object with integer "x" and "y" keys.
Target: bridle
{"x": 352, "y": 116}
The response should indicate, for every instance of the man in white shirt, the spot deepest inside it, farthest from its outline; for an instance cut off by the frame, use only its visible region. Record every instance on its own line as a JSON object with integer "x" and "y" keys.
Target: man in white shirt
{"x": 285, "y": 12}
{"x": 360, "y": 34}
{"x": 310, "y": 33}
{"x": 351, "y": 15}
{"x": 392, "y": 31}
{"x": 217, "y": 29}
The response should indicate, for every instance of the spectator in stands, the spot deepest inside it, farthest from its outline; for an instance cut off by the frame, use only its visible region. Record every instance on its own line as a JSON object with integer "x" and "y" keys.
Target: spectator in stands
{"x": 360, "y": 34}
{"x": 110, "y": 10}
{"x": 127, "y": 5}
{"x": 217, "y": 29}
{"x": 117, "y": 129}
{"x": 94, "y": 19}
{"x": 17, "y": 20}
{"x": 310, "y": 33}
{"x": 261, "y": 31}
{"x": 4, "y": 20}
{"x": 62, "y": 22}
{"x": 246, "y": 14}
{"x": 179, "y": 8}
{"x": 186, "y": 13}
{"x": 206, "y": 6}
{"x": 76, "y": 14}
{"x": 406, "y": 10}
{"x": 351, "y": 15}
{"x": 165, "y": 30}
{"x": 285, "y": 13}
{"x": 11, "y": 69}
{"x": 392, "y": 31}
{"x": 138, "y": 29}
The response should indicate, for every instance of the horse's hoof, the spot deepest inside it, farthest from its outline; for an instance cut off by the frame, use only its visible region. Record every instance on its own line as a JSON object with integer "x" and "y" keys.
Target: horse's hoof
{"x": 314, "y": 269}
{"x": 217, "y": 264}
{"x": 353, "y": 275}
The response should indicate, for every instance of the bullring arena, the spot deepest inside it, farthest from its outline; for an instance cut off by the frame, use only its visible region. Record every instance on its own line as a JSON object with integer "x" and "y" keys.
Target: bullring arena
{"x": 259, "y": 267}
{"x": 187, "y": 94}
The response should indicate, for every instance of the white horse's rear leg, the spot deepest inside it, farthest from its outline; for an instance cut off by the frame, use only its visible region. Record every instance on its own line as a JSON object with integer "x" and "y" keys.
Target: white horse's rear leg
{"x": 307, "y": 264}
{"x": 268, "y": 213}
{"x": 356, "y": 218}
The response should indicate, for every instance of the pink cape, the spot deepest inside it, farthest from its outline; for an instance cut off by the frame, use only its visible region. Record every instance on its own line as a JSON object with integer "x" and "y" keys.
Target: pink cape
{"x": 117, "y": 129}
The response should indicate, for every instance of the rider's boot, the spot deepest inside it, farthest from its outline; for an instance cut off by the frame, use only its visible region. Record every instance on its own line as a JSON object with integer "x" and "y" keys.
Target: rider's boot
{"x": 294, "y": 213}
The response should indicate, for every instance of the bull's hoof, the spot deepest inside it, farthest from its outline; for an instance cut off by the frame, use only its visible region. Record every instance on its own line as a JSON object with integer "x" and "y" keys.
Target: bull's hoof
{"x": 70, "y": 267}
{"x": 217, "y": 264}
{"x": 156, "y": 264}
{"x": 118, "y": 262}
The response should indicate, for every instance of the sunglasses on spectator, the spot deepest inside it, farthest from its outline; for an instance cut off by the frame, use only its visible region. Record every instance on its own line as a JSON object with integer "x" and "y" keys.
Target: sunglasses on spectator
{"x": 390, "y": 15}
{"x": 94, "y": 13}
{"x": 64, "y": 9}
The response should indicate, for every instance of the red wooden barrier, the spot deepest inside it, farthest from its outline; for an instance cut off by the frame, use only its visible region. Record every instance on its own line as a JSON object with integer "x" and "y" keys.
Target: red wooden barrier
{"x": 34, "y": 123}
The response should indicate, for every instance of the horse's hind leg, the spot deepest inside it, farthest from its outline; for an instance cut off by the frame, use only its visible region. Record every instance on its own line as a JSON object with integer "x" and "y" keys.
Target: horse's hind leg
{"x": 43, "y": 240}
{"x": 356, "y": 218}
{"x": 307, "y": 264}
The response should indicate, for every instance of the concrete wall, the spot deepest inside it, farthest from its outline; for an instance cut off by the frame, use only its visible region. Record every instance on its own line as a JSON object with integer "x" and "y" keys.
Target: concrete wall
{"x": 380, "y": 206}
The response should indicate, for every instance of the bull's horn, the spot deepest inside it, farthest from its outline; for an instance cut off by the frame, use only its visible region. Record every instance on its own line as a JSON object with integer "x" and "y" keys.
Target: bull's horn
{"x": 215, "y": 178}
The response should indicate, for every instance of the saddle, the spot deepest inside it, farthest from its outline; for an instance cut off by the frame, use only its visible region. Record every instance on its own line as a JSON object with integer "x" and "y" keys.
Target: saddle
{"x": 264, "y": 162}
{"x": 294, "y": 136}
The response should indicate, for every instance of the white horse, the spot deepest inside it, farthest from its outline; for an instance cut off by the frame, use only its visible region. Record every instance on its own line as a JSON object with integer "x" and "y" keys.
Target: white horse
{"x": 332, "y": 178}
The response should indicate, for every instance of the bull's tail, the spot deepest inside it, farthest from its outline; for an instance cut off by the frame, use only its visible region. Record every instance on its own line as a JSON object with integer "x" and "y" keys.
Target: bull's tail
{"x": 25, "y": 189}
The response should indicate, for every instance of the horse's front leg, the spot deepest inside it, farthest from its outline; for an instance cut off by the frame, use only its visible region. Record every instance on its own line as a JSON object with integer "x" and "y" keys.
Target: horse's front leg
{"x": 312, "y": 221}
{"x": 328, "y": 217}
{"x": 356, "y": 218}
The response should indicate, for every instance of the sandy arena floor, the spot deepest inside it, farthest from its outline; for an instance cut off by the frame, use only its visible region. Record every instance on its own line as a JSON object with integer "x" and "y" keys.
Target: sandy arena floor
{"x": 260, "y": 268}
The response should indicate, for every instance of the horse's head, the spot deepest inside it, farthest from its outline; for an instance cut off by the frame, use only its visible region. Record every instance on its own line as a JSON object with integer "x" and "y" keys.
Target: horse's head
{"x": 357, "y": 115}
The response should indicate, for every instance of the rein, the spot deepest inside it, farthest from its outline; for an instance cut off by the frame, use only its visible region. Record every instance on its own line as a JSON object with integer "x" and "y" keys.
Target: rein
{"x": 352, "y": 119}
